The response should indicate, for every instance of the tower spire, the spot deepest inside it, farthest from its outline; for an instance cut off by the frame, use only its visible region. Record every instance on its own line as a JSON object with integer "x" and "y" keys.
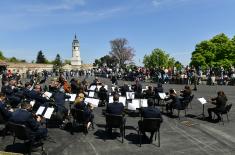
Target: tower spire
{"x": 75, "y": 36}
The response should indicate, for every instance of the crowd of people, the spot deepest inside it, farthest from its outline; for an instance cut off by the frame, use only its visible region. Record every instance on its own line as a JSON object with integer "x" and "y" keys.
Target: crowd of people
{"x": 15, "y": 99}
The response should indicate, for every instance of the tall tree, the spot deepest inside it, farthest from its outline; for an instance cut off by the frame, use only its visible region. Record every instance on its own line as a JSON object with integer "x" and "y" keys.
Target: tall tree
{"x": 106, "y": 60}
{"x": 41, "y": 58}
{"x": 216, "y": 52}
{"x": 121, "y": 51}
{"x": 2, "y": 56}
{"x": 57, "y": 63}
{"x": 158, "y": 59}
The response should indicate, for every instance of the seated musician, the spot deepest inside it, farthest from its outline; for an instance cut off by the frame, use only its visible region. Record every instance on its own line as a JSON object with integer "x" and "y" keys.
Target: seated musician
{"x": 79, "y": 104}
{"x": 115, "y": 108}
{"x": 149, "y": 93}
{"x": 150, "y": 112}
{"x": 185, "y": 94}
{"x": 124, "y": 89}
{"x": 220, "y": 103}
{"x": 115, "y": 91}
{"x": 36, "y": 94}
{"x": 6, "y": 114}
{"x": 102, "y": 94}
{"x": 11, "y": 92}
{"x": 138, "y": 88}
{"x": 25, "y": 117}
{"x": 158, "y": 89}
{"x": 59, "y": 97}
{"x": 175, "y": 102}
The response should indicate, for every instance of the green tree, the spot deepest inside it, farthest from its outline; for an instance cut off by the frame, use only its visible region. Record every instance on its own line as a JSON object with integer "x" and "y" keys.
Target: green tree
{"x": 2, "y": 56}
{"x": 41, "y": 58}
{"x": 121, "y": 51}
{"x": 158, "y": 59}
{"x": 106, "y": 60}
{"x": 57, "y": 63}
{"x": 216, "y": 52}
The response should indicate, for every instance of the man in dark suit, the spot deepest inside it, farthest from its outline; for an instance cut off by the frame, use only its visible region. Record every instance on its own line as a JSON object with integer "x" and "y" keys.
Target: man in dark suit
{"x": 116, "y": 107}
{"x": 25, "y": 117}
{"x": 36, "y": 95}
{"x": 150, "y": 112}
{"x": 6, "y": 114}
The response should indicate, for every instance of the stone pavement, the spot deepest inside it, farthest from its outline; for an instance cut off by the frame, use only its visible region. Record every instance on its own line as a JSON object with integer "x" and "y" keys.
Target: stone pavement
{"x": 189, "y": 135}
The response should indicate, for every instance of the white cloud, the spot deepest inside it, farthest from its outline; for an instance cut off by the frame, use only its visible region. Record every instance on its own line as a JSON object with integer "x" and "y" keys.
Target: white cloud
{"x": 61, "y": 5}
{"x": 156, "y": 3}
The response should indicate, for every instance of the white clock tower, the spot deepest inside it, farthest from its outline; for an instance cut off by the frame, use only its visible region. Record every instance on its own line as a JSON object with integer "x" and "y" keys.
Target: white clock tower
{"x": 76, "y": 59}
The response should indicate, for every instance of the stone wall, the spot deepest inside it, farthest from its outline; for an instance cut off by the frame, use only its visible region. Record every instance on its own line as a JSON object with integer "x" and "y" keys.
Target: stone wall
{"x": 23, "y": 67}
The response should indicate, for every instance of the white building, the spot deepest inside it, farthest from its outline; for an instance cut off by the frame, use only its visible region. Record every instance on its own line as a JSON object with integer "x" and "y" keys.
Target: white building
{"x": 76, "y": 58}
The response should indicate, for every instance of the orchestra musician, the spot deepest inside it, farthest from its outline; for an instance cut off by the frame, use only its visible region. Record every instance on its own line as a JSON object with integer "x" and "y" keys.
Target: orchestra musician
{"x": 25, "y": 117}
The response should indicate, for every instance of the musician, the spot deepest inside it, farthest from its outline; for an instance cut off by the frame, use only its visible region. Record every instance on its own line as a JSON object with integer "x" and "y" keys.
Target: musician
{"x": 149, "y": 93}
{"x": 220, "y": 103}
{"x": 59, "y": 97}
{"x": 11, "y": 92}
{"x": 158, "y": 89}
{"x": 74, "y": 86}
{"x": 138, "y": 88}
{"x": 185, "y": 94}
{"x": 6, "y": 114}
{"x": 79, "y": 104}
{"x": 115, "y": 108}
{"x": 64, "y": 83}
{"x": 124, "y": 89}
{"x": 36, "y": 94}
{"x": 150, "y": 112}
{"x": 175, "y": 102}
{"x": 102, "y": 94}
{"x": 25, "y": 117}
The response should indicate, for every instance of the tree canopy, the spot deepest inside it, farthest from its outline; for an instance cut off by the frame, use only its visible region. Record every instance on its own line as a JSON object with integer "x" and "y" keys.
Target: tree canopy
{"x": 106, "y": 60}
{"x": 159, "y": 59}
{"x": 41, "y": 58}
{"x": 121, "y": 51}
{"x": 216, "y": 52}
{"x": 57, "y": 63}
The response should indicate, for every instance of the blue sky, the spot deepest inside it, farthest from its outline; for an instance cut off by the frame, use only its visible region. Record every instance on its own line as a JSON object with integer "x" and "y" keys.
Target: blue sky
{"x": 176, "y": 26}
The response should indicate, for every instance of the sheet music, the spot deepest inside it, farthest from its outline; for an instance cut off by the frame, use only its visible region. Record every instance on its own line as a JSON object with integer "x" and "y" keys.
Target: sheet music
{"x": 162, "y": 95}
{"x": 48, "y": 112}
{"x": 72, "y": 97}
{"x": 47, "y": 95}
{"x": 92, "y": 101}
{"x": 136, "y": 103}
{"x": 87, "y": 100}
{"x": 130, "y": 95}
{"x": 202, "y": 100}
{"x": 91, "y": 94}
{"x": 106, "y": 87}
{"x": 143, "y": 103}
{"x": 40, "y": 110}
{"x": 93, "y": 87}
{"x": 110, "y": 99}
{"x": 98, "y": 87}
{"x": 131, "y": 106}
{"x": 122, "y": 100}
{"x": 32, "y": 103}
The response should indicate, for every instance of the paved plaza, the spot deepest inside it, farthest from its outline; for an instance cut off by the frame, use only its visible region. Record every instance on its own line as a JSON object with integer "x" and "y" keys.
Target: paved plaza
{"x": 189, "y": 135}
